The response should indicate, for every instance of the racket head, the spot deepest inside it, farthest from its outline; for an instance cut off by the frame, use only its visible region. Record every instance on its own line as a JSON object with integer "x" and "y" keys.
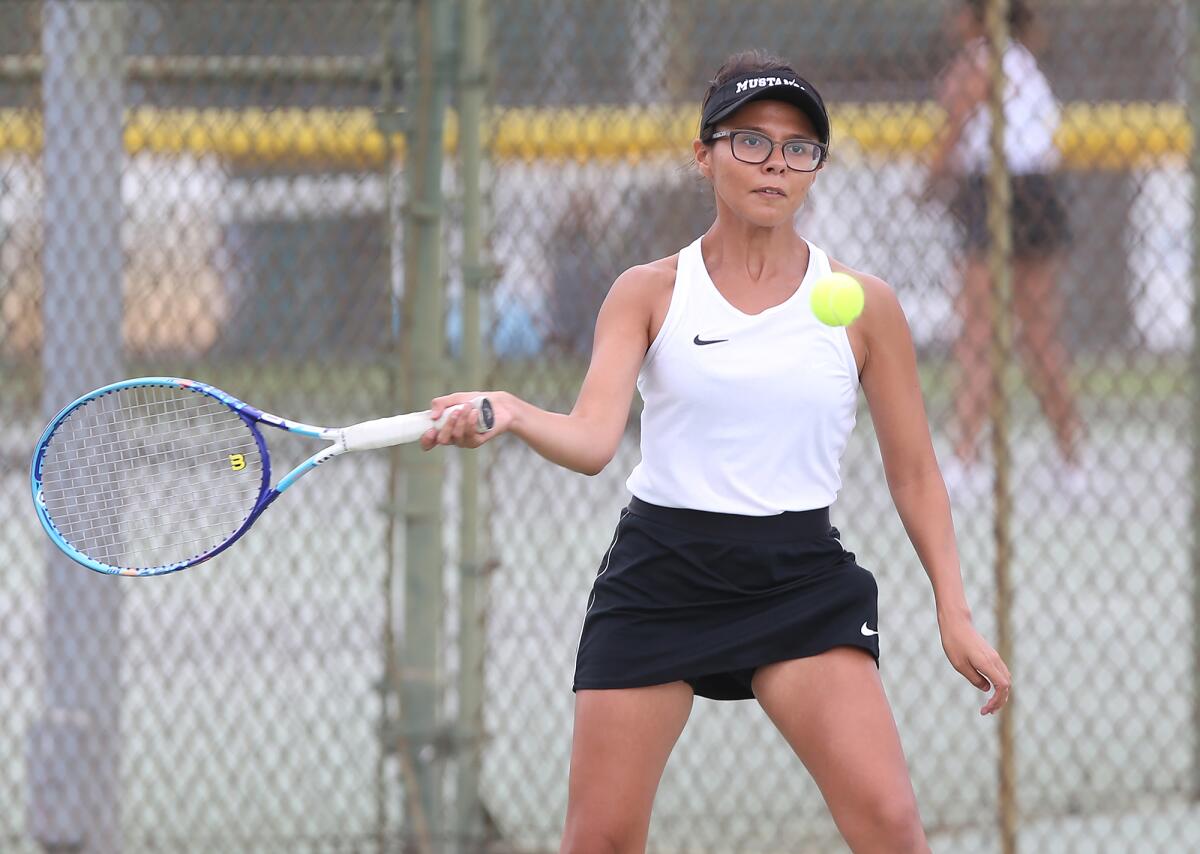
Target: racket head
{"x": 149, "y": 476}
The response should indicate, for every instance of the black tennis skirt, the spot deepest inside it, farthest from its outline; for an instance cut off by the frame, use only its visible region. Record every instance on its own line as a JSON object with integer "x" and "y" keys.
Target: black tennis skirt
{"x": 707, "y": 598}
{"x": 1040, "y": 226}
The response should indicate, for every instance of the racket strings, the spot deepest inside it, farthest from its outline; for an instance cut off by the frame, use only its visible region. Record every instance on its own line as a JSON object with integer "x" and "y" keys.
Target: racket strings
{"x": 150, "y": 476}
{"x": 89, "y": 465}
{"x": 100, "y": 524}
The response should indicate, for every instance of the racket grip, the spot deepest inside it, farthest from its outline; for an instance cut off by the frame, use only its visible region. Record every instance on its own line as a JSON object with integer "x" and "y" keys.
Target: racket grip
{"x": 385, "y": 432}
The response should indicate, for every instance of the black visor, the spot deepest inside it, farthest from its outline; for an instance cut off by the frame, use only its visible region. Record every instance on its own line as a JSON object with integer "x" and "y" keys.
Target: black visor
{"x": 767, "y": 85}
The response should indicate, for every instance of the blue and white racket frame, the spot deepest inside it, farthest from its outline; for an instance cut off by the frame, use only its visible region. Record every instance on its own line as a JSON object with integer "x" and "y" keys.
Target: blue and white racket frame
{"x": 380, "y": 433}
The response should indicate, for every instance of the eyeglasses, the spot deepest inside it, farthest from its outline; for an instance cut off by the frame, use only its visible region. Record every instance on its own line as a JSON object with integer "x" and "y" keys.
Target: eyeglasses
{"x": 750, "y": 146}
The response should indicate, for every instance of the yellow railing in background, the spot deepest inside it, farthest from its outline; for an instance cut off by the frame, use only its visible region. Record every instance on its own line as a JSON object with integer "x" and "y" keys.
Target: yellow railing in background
{"x": 1092, "y": 136}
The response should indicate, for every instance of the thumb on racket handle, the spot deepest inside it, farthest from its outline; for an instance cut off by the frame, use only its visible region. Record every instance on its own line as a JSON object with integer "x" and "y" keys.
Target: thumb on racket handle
{"x": 385, "y": 432}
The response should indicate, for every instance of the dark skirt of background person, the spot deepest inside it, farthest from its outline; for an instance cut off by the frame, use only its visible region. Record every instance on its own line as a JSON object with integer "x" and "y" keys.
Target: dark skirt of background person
{"x": 707, "y": 598}
{"x": 1040, "y": 226}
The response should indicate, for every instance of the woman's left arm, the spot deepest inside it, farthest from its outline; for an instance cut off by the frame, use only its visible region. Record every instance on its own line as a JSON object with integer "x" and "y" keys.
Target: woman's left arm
{"x": 892, "y": 388}
{"x": 961, "y": 88}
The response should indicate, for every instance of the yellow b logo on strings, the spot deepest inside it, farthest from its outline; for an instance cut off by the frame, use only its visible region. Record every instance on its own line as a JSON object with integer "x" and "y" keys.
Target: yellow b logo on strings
{"x": 237, "y": 462}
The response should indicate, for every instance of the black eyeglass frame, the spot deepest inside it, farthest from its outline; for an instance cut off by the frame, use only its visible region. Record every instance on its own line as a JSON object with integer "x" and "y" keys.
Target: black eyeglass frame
{"x": 730, "y": 134}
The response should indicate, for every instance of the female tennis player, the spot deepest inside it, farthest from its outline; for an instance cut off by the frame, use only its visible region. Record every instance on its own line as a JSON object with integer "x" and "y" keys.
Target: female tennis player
{"x": 724, "y": 578}
{"x": 1040, "y": 234}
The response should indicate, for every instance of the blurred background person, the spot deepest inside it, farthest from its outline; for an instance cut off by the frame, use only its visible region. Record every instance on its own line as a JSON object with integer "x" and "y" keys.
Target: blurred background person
{"x": 1040, "y": 233}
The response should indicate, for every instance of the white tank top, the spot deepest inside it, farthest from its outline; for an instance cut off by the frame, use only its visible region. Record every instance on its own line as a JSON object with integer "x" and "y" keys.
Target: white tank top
{"x": 744, "y": 413}
{"x": 1031, "y": 118}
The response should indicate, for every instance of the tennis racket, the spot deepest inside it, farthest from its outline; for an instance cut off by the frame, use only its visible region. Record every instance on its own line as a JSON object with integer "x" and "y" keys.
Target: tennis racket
{"x": 153, "y": 475}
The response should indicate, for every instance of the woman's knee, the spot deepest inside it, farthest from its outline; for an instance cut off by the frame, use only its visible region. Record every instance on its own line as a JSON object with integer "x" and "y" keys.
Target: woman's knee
{"x": 896, "y": 827}
{"x": 589, "y": 836}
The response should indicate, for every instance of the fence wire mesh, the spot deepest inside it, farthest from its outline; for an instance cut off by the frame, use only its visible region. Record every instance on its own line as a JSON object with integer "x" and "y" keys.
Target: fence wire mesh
{"x": 217, "y": 190}
{"x": 200, "y": 190}
{"x": 591, "y": 175}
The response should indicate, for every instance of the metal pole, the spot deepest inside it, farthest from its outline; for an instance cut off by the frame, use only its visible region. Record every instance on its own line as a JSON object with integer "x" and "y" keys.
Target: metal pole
{"x": 1192, "y": 74}
{"x": 1000, "y": 355}
{"x": 322, "y": 69}
{"x": 74, "y": 749}
{"x": 472, "y": 568}
{"x": 421, "y": 677}
{"x": 387, "y": 122}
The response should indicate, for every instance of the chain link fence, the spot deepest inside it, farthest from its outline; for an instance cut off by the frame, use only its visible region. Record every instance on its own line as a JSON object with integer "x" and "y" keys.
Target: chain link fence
{"x": 1100, "y": 750}
{"x": 220, "y": 190}
{"x": 203, "y": 190}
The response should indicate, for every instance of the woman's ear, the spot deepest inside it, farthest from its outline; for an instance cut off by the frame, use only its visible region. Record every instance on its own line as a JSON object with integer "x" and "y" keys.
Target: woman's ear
{"x": 703, "y": 155}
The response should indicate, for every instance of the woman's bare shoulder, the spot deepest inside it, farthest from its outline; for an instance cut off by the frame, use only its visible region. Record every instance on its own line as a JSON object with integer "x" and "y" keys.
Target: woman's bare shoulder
{"x": 646, "y": 283}
{"x": 882, "y": 323}
{"x": 654, "y": 274}
{"x": 872, "y": 285}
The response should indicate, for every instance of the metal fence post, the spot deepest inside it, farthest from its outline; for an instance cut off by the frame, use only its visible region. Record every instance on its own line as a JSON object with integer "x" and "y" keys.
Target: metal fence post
{"x": 74, "y": 750}
{"x": 472, "y": 566}
{"x": 396, "y": 54}
{"x": 1192, "y": 72}
{"x": 1001, "y": 354}
{"x": 424, "y": 316}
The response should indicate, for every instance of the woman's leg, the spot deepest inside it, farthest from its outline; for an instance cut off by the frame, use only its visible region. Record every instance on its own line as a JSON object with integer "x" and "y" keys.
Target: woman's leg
{"x": 1039, "y": 306}
{"x": 973, "y": 394}
{"x": 619, "y": 749}
{"x": 832, "y": 710}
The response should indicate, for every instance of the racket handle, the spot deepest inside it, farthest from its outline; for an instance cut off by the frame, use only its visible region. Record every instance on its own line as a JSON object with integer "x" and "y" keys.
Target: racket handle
{"x": 385, "y": 432}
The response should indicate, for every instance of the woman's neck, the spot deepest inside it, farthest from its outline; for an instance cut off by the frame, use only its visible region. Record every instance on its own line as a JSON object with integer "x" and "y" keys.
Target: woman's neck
{"x": 752, "y": 252}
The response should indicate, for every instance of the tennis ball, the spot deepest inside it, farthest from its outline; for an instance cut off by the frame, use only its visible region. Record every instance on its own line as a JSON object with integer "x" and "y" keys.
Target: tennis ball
{"x": 837, "y": 299}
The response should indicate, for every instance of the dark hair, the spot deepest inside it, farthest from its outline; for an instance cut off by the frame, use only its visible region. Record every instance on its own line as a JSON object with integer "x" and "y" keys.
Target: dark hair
{"x": 1020, "y": 15}
{"x": 737, "y": 65}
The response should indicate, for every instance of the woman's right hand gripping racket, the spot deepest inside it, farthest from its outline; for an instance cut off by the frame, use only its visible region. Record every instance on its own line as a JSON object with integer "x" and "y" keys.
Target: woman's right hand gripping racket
{"x": 153, "y": 475}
